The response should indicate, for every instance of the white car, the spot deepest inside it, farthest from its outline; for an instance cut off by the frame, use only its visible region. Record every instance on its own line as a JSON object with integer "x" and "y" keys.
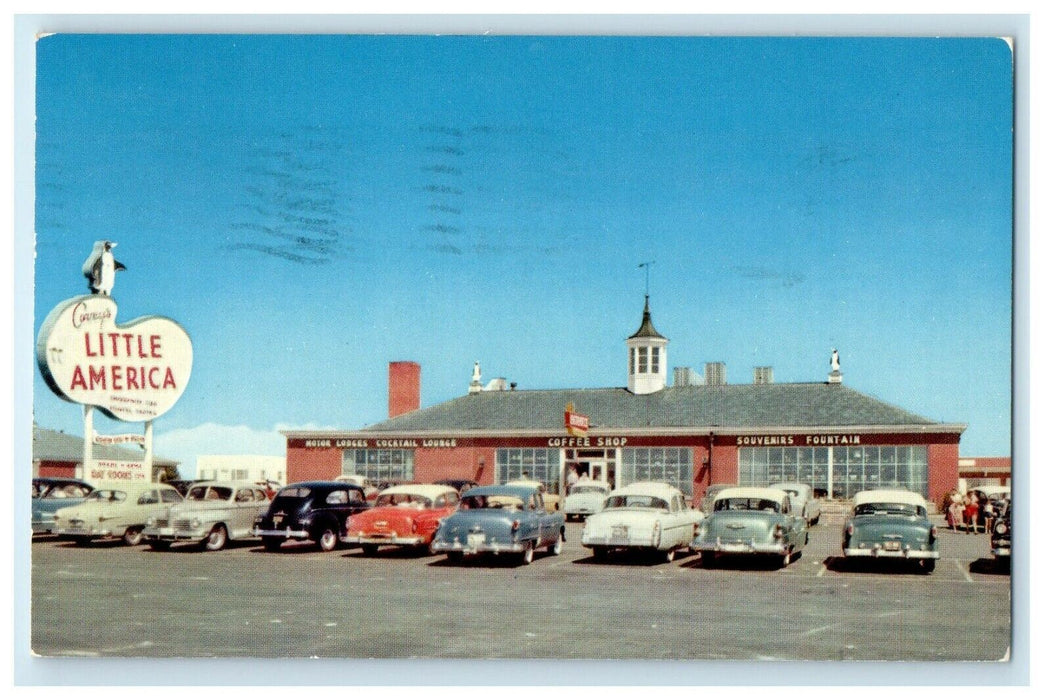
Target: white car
{"x": 643, "y": 516}
{"x": 801, "y": 496}
{"x": 117, "y": 509}
{"x": 213, "y": 513}
{"x": 585, "y": 498}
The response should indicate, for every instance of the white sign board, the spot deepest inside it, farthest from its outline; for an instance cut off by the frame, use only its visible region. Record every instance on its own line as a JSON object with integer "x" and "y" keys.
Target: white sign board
{"x": 112, "y": 470}
{"x": 134, "y": 372}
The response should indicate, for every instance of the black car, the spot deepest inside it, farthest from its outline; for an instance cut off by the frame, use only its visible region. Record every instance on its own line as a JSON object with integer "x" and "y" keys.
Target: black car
{"x": 1001, "y": 537}
{"x": 460, "y": 485}
{"x": 310, "y": 510}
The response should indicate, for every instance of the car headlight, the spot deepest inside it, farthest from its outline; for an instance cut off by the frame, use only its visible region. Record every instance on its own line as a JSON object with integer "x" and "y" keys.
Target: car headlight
{"x": 196, "y": 522}
{"x": 1001, "y": 528}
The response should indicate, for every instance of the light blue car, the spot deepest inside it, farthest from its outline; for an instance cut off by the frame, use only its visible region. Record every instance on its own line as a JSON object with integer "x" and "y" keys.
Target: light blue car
{"x": 504, "y": 519}
{"x": 752, "y": 522}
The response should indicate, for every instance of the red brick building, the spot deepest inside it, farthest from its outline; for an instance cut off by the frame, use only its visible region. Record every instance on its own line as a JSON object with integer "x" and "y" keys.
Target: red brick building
{"x": 693, "y": 433}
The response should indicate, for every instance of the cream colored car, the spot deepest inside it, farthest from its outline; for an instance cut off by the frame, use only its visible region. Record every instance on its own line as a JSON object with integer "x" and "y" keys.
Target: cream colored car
{"x": 213, "y": 513}
{"x": 114, "y": 509}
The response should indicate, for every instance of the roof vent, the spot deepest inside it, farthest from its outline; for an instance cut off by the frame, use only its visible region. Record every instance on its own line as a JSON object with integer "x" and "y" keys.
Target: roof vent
{"x": 763, "y": 375}
{"x": 496, "y": 384}
{"x": 715, "y": 373}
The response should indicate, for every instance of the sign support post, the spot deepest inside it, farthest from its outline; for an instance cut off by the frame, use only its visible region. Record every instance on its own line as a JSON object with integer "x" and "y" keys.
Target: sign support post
{"x": 148, "y": 458}
{"x": 89, "y": 438}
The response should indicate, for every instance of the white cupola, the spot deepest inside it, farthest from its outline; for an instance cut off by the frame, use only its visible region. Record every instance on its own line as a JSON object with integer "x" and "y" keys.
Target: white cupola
{"x": 647, "y": 357}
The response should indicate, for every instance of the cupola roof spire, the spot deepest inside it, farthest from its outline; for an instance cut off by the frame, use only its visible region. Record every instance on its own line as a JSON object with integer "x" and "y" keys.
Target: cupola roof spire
{"x": 646, "y": 329}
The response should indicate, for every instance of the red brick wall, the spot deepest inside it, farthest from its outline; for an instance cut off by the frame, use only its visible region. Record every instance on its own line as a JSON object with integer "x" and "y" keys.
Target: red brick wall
{"x": 943, "y": 471}
{"x": 403, "y": 388}
{"x": 476, "y": 463}
{"x": 313, "y": 464}
{"x": 57, "y": 469}
{"x": 724, "y": 464}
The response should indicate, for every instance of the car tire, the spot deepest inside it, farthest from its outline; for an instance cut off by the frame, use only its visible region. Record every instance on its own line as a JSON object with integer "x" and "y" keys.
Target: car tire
{"x": 927, "y": 565}
{"x": 369, "y": 549}
{"x": 272, "y": 544}
{"x": 527, "y": 554}
{"x": 133, "y": 536}
{"x": 216, "y": 539}
{"x": 160, "y": 545}
{"x": 327, "y": 540}
{"x": 787, "y": 558}
{"x": 600, "y": 553}
{"x": 707, "y": 559}
{"x": 81, "y": 541}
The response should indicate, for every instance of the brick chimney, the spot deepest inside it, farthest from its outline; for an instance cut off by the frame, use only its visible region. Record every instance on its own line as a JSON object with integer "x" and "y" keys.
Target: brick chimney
{"x": 403, "y": 388}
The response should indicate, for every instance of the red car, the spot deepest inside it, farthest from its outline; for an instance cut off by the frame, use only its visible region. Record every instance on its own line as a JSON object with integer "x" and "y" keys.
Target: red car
{"x": 404, "y": 516}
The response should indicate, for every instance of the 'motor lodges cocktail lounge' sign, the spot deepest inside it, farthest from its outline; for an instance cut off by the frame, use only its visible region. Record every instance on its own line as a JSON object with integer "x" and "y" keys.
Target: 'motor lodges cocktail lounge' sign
{"x": 133, "y": 372}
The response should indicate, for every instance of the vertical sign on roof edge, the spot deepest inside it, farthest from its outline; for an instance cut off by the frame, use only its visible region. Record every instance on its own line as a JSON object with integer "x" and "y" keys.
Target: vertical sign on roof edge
{"x": 576, "y": 423}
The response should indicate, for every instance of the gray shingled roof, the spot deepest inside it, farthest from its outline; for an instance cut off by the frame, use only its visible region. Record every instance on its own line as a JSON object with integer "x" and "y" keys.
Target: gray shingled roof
{"x": 732, "y": 405}
{"x": 55, "y": 446}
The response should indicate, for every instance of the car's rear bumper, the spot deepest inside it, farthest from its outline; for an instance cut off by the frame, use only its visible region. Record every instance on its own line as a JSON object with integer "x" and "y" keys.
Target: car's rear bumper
{"x": 492, "y": 547}
{"x": 83, "y": 532}
{"x": 880, "y": 553}
{"x": 287, "y": 533}
{"x": 720, "y": 547}
{"x": 414, "y": 541}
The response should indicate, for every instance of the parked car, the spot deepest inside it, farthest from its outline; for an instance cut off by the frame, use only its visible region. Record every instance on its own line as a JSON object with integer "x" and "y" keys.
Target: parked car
{"x": 182, "y": 485}
{"x": 371, "y": 490}
{"x": 508, "y": 519}
{"x": 1000, "y": 540}
{"x": 310, "y": 510}
{"x": 460, "y": 485}
{"x": 891, "y": 523}
{"x": 708, "y": 501}
{"x": 552, "y": 501}
{"x": 52, "y": 493}
{"x": 117, "y": 509}
{"x": 646, "y": 515}
{"x": 801, "y": 497}
{"x": 751, "y": 521}
{"x": 585, "y": 498}
{"x": 403, "y": 516}
{"x": 211, "y": 514}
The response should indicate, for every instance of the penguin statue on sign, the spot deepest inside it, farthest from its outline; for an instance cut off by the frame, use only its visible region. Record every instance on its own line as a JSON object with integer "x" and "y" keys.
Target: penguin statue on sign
{"x": 101, "y": 267}
{"x": 835, "y": 360}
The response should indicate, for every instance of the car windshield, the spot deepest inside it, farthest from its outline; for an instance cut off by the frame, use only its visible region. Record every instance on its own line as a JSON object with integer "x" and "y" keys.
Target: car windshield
{"x": 764, "y": 504}
{"x": 209, "y": 493}
{"x": 587, "y": 488}
{"x": 107, "y": 495}
{"x": 500, "y": 502}
{"x": 293, "y": 492}
{"x": 636, "y": 501}
{"x": 889, "y": 509}
{"x": 403, "y": 500}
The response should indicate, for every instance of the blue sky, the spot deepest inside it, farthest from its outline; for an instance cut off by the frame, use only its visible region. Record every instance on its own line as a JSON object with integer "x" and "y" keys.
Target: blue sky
{"x": 310, "y": 208}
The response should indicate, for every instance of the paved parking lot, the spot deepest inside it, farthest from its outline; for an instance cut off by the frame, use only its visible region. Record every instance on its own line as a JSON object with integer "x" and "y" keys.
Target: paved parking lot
{"x": 110, "y": 600}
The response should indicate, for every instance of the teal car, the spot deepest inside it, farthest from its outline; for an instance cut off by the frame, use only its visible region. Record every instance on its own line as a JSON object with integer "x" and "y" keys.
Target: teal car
{"x": 891, "y": 524}
{"x": 52, "y": 493}
{"x": 505, "y": 520}
{"x": 751, "y": 521}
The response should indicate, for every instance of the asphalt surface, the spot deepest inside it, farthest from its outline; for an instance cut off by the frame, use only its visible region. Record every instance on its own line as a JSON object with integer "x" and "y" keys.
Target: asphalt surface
{"x": 111, "y": 600}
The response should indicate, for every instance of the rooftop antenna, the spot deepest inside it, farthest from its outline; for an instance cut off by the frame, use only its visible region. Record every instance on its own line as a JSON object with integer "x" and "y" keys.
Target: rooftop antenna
{"x": 647, "y": 266}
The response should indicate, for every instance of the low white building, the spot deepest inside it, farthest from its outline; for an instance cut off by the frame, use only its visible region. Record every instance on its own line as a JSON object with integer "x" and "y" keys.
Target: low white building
{"x": 242, "y": 468}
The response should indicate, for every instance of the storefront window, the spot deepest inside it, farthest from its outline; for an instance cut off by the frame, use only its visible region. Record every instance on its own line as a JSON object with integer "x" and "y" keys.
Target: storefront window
{"x": 379, "y": 465}
{"x": 672, "y": 465}
{"x": 527, "y": 463}
{"x": 853, "y": 469}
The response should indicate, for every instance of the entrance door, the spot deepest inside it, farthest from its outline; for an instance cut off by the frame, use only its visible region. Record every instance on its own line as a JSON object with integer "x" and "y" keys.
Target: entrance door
{"x": 598, "y": 465}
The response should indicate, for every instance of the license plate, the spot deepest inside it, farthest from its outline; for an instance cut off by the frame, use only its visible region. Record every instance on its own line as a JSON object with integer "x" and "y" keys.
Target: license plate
{"x": 892, "y": 546}
{"x": 619, "y": 533}
{"x": 475, "y": 539}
